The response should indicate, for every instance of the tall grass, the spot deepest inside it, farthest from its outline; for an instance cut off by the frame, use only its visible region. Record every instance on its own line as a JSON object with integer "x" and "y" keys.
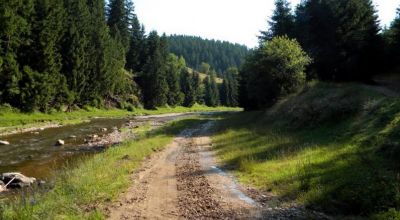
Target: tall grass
{"x": 330, "y": 147}
{"x": 83, "y": 187}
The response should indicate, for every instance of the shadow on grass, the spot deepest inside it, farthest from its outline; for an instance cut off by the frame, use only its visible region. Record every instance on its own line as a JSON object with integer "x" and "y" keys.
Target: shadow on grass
{"x": 350, "y": 166}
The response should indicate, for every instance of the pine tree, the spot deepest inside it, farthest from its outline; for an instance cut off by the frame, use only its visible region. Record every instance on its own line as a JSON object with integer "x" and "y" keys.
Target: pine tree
{"x": 136, "y": 50}
{"x": 343, "y": 38}
{"x": 174, "y": 68}
{"x": 15, "y": 29}
{"x": 42, "y": 80}
{"x": 119, "y": 13}
{"x": 392, "y": 40}
{"x": 196, "y": 84}
{"x": 281, "y": 23}
{"x": 229, "y": 88}
{"x": 76, "y": 50}
{"x": 211, "y": 91}
{"x": 187, "y": 88}
{"x": 106, "y": 57}
{"x": 155, "y": 87}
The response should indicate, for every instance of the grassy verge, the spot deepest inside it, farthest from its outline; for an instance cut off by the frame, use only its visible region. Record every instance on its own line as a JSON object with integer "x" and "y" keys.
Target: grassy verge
{"x": 331, "y": 147}
{"x": 98, "y": 179}
{"x": 11, "y": 119}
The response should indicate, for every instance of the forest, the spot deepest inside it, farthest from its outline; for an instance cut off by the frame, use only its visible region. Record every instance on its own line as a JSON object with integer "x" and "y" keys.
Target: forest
{"x": 67, "y": 54}
{"x": 208, "y": 55}
{"x": 333, "y": 41}
{"x": 306, "y": 125}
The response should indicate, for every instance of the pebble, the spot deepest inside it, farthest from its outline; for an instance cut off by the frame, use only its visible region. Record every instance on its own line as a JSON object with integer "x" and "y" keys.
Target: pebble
{"x": 60, "y": 142}
{"x": 4, "y": 143}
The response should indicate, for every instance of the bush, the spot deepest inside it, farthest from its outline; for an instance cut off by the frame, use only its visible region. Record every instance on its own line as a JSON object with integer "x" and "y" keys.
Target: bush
{"x": 7, "y": 108}
{"x": 129, "y": 107}
{"x": 274, "y": 70}
{"x": 391, "y": 214}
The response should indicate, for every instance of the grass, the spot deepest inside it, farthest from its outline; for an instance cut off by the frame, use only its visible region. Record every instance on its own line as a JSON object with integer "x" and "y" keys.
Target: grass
{"x": 330, "y": 147}
{"x": 81, "y": 189}
{"x": 11, "y": 119}
{"x": 203, "y": 76}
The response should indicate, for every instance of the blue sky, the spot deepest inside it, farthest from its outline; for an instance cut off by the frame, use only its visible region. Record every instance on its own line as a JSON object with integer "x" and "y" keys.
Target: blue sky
{"x": 237, "y": 21}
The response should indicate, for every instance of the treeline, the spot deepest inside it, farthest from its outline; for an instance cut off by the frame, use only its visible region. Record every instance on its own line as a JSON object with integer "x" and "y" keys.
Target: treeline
{"x": 220, "y": 55}
{"x": 66, "y": 54}
{"x": 328, "y": 40}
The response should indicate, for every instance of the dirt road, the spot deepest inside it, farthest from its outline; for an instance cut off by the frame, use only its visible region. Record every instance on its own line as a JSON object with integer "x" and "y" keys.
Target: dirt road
{"x": 183, "y": 182}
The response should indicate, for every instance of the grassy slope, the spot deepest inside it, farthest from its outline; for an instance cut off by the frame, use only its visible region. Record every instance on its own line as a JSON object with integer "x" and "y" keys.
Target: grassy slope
{"x": 203, "y": 76}
{"x": 330, "y": 147}
{"x": 79, "y": 192}
{"x": 12, "y": 119}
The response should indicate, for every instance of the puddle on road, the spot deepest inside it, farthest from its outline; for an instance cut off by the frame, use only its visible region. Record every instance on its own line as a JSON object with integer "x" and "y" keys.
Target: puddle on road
{"x": 233, "y": 187}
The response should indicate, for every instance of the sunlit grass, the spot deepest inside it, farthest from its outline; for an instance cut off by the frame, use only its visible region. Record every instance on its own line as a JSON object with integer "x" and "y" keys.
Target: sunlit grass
{"x": 81, "y": 189}
{"x": 337, "y": 154}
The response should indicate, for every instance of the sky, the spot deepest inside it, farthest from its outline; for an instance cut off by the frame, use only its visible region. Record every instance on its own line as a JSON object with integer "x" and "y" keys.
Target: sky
{"x": 237, "y": 21}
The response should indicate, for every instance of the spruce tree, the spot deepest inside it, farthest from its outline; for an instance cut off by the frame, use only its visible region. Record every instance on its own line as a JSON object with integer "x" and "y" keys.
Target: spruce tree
{"x": 174, "y": 68}
{"x": 229, "y": 88}
{"x": 104, "y": 69}
{"x": 281, "y": 23}
{"x": 343, "y": 38}
{"x": 76, "y": 50}
{"x": 15, "y": 29}
{"x": 42, "y": 81}
{"x": 211, "y": 91}
{"x": 154, "y": 86}
{"x": 196, "y": 84}
{"x": 136, "y": 50}
{"x": 224, "y": 91}
{"x": 187, "y": 88}
{"x": 392, "y": 40}
{"x": 119, "y": 13}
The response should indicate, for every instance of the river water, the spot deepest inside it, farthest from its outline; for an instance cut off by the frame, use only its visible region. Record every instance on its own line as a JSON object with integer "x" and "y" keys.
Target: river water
{"x": 35, "y": 154}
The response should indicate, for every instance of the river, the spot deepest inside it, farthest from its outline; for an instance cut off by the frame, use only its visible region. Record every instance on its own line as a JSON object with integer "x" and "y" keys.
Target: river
{"x": 35, "y": 154}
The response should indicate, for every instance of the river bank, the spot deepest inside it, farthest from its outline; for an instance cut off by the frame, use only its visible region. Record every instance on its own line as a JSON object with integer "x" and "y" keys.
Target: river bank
{"x": 95, "y": 180}
{"x": 13, "y": 121}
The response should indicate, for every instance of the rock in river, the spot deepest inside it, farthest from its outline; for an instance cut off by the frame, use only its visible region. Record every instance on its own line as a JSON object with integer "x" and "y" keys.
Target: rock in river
{"x": 60, "y": 142}
{"x": 17, "y": 180}
{"x": 4, "y": 143}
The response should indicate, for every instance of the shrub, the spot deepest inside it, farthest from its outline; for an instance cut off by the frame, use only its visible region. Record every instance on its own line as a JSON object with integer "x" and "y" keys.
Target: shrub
{"x": 391, "y": 214}
{"x": 274, "y": 70}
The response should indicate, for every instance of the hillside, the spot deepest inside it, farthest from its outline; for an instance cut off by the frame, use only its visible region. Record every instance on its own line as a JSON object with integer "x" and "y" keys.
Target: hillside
{"x": 219, "y": 54}
{"x": 330, "y": 147}
{"x": 203, "y": 76}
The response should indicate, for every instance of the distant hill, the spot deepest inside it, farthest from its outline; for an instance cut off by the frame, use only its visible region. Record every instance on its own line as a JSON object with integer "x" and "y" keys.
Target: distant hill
{"x": 219, "y": 54}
